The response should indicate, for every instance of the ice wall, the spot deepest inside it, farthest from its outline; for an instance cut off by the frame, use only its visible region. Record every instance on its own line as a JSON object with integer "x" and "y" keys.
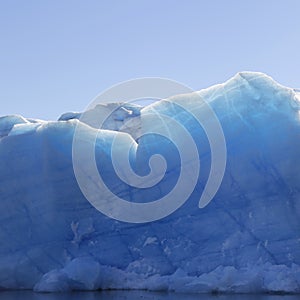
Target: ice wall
{"x": 246, "y": 240}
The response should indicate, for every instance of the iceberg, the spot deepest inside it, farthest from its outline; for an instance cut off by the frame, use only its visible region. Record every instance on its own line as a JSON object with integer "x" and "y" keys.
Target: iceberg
{"x": 246, "y": 240}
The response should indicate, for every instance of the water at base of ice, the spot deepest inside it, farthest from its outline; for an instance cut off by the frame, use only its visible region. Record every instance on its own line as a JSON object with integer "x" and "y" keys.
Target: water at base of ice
{"x": 135, "y": 295}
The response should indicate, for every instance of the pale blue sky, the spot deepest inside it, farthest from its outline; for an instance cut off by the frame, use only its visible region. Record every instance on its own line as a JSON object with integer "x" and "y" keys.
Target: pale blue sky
{"x": 56, "y": 55}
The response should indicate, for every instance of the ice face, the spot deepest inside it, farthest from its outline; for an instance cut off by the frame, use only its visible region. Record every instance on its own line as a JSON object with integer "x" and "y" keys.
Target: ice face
{"x": 246, "y": 240}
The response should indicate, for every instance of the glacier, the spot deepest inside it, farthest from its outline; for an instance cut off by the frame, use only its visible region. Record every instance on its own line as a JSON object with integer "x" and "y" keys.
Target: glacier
{"x": 246, "y": 240}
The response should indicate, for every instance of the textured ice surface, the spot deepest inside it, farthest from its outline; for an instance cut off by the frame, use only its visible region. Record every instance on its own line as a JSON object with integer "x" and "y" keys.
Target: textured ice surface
{"x": 246, "y": 240}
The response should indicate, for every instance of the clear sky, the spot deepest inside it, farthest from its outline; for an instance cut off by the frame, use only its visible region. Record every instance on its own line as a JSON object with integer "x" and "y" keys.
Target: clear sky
{"x": 57, "y": 55}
